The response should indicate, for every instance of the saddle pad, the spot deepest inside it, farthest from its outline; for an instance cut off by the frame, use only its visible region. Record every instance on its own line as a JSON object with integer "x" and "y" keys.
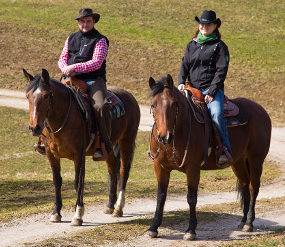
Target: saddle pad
{"x": 240, "y": 119}
{"x": 117, "y": 109}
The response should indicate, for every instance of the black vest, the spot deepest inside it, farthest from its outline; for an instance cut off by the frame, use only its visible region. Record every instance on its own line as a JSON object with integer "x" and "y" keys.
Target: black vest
{"x": 80, "y": 50}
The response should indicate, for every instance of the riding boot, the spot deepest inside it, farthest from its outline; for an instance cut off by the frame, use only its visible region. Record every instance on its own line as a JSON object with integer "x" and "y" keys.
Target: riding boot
{"x": 104, "y": 125}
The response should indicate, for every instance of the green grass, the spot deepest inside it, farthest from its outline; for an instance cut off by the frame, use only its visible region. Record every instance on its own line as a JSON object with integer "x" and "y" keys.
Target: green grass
{"x": 148, "y": 38}
{"x": 26, "y": 180}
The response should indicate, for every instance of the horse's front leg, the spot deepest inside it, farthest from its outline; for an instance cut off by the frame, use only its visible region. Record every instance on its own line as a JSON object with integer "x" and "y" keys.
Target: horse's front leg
{"x": 193, "y": 178}
{"x": 57, "y": 181}
{"x": 79, "y": 164}
{"x": 162, "y": 176}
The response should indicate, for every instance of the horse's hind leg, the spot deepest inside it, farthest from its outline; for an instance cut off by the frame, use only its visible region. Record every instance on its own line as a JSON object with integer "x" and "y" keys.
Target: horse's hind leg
{"x": 248, "y": 187}
{"x": 57, "y": 181}
{"x": 127, "y": 148}
{"x": 255, "y": 167}
{"x": 113, "y": 164}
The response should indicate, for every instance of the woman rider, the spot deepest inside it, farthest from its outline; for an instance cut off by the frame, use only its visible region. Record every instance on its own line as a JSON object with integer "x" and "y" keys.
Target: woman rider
{"x": 205, "y": 65}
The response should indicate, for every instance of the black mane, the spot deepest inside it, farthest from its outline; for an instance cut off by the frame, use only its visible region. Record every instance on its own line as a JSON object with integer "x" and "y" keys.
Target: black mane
{"x": 37, "y": 82}
{"x": 158, "y": 87}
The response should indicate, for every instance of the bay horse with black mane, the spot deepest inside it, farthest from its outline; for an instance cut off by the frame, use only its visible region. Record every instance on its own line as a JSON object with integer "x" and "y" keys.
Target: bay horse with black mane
{"x": 177, "y": 143}
{"x": 55, "y": 114}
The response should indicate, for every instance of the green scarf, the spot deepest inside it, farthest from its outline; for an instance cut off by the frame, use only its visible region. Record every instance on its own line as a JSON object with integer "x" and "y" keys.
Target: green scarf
{"x": 203, "y": 39}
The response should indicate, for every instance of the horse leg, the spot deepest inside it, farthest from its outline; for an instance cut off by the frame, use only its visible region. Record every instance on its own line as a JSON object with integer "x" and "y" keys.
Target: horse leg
{"x": 193, "y": 178}
{"x": 127, "y": 148}
{"x": 255, "y": 167}
{"x": 113, "y": 165}
{"x": 241, "y": 170}
{"x": 162, "y": 176}
{"x": 79, "y": 164}
{"x": 57, "y": 181}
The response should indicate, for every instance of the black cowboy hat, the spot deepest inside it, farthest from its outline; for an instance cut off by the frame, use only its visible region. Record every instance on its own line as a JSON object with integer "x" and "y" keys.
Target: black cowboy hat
{"x": 208, "y": 17}
{"x": 87, "y": 12}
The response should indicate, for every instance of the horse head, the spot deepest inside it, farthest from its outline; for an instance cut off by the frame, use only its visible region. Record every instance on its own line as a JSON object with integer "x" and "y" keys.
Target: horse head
{"x": 39, "y": 96}
{"x": 164, "y": 107}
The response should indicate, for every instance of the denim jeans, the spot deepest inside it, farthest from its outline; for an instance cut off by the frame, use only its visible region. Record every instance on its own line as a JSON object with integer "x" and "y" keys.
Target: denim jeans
{"x": 216, "y": 109}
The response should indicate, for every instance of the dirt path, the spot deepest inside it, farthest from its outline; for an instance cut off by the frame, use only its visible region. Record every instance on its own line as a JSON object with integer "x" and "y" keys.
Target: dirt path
{"x": 37, "y": 227}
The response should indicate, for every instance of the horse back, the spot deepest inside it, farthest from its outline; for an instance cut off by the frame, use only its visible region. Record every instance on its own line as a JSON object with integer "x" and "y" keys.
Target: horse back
{"x": 259, "y": 124}
{"x": 130, "y": 121}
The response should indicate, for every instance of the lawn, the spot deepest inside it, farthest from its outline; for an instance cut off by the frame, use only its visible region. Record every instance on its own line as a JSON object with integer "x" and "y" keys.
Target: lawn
{"x": 148, "y": 38}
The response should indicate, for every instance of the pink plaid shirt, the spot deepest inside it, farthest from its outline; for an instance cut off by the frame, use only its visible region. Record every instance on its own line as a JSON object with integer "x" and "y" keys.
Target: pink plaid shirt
{"x": 99, "y": 55}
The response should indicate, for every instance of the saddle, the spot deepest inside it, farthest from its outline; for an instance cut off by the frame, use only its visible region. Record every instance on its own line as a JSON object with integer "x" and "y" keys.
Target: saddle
{"x": 234, "y": 114}
{"x": 116, "y": 110}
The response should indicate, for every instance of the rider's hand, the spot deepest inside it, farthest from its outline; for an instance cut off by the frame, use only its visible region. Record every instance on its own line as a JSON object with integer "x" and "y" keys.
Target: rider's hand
{"x": 68, "y": 70}
{"x": 181, "y": 87}
{"x": 208, "y": 99}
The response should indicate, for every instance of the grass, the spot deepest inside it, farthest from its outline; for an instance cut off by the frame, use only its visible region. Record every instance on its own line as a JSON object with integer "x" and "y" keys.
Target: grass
{"x": 26, "y": 180}
{"x": 173, "y": 221}
{"x": 148, "y": 38}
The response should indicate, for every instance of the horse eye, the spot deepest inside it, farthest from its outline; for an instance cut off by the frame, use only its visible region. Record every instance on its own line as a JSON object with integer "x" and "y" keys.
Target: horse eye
{"x": 46, "y": 96}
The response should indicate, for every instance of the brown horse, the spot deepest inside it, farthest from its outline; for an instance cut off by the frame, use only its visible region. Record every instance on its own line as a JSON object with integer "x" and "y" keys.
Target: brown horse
{"x": 55, "y": 114}
{"x": 177, "y": 143}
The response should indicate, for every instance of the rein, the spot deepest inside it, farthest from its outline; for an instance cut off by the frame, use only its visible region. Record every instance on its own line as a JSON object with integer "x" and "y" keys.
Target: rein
{"x": 151, "y": 156}
{"x": 65, "y": 119}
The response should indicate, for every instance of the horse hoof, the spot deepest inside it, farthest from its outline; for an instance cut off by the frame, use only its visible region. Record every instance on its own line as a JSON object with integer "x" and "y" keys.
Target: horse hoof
{"x": 152, "y": 234}
{"x": 117, "y": 213}
{"x": 55, "y": 218}
{"x": 189, "y": 236}
{"x": 241, "y": 225}
{"x": 108, "y": 210}
{"x": 247, "y": 228}
{"x": 76, "y": 222}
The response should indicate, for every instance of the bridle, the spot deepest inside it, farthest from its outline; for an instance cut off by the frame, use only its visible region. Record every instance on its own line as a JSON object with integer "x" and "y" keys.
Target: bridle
{"x": 46, "y": 124}
{"x": 153, "y": 157}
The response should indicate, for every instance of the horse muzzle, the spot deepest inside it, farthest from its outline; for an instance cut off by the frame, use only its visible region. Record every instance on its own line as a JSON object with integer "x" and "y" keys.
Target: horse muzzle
{"x": 165, "y": 139}
{"x": 37, "y": 130}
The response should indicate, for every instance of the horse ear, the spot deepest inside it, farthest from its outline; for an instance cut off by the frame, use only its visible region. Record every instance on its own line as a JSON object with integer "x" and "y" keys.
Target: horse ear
{"x": 169, "y": 81}
{"x": 151, "y": 82}
{"x": 28, "y": 76}
{"x": 45, "y": 76}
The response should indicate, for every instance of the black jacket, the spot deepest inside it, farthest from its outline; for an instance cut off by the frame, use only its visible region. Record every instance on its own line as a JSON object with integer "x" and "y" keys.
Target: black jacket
{"x": 205, "y": 66}
{"x": 81, "y": 48}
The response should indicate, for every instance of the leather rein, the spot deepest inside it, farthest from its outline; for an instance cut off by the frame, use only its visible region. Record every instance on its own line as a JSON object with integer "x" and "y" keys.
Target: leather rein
{"x": 153, "y": 157}
{"x": 46, "y": 124}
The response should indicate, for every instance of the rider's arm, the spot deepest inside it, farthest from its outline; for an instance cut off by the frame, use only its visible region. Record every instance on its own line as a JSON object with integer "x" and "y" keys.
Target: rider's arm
{"x": 62, "y": 62}
{"x": 185, "y": 66}
{"x": 99, "y": 55}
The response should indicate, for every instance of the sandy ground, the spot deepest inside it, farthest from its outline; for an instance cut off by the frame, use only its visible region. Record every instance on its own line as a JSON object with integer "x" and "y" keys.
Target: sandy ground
{"x": 37, "y": 227}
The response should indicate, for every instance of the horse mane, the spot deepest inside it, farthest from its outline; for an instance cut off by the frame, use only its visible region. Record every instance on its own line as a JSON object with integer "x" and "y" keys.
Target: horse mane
{"x": 38, "y": 82}
{"x": 158, "y": 87}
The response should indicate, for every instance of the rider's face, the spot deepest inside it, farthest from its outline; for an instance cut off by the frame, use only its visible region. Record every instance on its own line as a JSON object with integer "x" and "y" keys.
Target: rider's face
{"x": 85, "y": 24}
{"x": 207, "y": 29}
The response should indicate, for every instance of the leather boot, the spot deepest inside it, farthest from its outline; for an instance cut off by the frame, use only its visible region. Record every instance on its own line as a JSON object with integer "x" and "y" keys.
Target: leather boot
{"x": 103, "y": 119}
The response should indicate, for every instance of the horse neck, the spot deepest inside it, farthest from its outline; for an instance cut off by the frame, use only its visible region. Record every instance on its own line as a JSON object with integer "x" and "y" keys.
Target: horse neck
{"x": 185, "y": 114}
{"x": 60, "y": 104}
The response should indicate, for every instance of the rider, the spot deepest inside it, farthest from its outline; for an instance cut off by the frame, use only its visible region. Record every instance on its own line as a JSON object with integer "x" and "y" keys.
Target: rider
{"x": 84, "y": 56}
{"x": 205, "y": 65}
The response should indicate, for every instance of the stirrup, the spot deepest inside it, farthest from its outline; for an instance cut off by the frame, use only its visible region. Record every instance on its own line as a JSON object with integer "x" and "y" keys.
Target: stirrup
{"x": 225, "y": 160}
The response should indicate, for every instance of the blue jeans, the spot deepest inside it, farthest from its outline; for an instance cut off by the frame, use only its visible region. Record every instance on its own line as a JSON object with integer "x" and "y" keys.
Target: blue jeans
{"x": 216, "y": 109}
